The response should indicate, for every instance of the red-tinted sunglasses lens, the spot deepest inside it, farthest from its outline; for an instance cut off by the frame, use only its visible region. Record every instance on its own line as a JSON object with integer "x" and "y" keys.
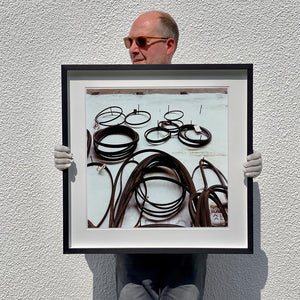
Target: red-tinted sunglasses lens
{"x": 140, "y": 41}
{"x": 128, "y": 42}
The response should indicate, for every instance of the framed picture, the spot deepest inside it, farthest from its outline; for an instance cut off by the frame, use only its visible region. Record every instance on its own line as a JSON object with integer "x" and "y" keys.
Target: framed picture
{"x": 158, "y": 153}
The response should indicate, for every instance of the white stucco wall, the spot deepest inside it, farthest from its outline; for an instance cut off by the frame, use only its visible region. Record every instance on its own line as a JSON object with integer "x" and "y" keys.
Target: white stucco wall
{"x": 37, "y": 36}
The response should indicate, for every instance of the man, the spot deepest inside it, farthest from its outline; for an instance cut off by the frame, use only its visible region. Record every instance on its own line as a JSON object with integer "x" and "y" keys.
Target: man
{"x": 153, "y": 39}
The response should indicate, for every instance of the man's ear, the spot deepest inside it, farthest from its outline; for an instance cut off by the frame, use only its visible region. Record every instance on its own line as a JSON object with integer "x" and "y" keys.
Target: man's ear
{"x": 170, "y": 46}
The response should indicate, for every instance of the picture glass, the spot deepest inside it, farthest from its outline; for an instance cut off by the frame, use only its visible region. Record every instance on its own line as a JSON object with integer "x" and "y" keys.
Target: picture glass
{"x": 158, "y": 116}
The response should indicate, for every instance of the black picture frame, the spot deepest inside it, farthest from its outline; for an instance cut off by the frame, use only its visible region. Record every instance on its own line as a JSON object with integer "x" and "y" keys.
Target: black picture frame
{"x": 237, "y": 79}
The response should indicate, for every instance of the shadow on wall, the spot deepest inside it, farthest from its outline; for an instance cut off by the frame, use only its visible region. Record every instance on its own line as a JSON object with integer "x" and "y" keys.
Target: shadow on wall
{"x": 104, "y": 279}
{"x": 241, "y": 276}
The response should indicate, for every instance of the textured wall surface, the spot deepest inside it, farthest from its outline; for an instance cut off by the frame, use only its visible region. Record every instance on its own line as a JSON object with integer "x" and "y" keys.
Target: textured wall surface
{"x": 37, "y": 36}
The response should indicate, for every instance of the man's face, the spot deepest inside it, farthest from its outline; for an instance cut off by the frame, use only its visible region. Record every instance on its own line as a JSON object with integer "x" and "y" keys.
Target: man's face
{"x": 157, "y": 50}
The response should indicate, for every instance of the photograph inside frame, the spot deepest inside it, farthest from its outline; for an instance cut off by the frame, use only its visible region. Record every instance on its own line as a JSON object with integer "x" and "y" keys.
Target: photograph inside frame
{"x": 157, "y": 157}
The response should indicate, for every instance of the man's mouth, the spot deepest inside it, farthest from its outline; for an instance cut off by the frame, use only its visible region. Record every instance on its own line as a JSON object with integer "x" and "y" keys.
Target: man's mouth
{"x": 138, "y": 61}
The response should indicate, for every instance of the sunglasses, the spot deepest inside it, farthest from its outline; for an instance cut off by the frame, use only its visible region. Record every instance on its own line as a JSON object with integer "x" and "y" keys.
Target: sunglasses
{"x": 141, "y": 41}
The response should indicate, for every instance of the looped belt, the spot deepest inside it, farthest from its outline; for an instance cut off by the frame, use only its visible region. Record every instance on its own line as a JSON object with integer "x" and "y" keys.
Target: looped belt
{"x": 158, "y": 162}
{"x": 183, "y": 137}
{"x": 114, "y": 112}
{"x": 157, "y": 140}
{"x": 199, "y": 202}
{"x": 88, "y": 142}
{"x": 103, "y": 167}
{"x": 125, "y": 149}
{"x": 138, "y": 112}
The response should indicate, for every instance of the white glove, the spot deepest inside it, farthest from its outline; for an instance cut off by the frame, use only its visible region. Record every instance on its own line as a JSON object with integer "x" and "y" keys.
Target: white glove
{"x": 62, "y": 157}
{"x": 253, "y": 166}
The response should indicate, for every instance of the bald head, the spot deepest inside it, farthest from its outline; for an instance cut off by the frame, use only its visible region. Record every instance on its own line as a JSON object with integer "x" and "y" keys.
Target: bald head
{"x": 166, "y": 25}
{"x": 157, "y": 51}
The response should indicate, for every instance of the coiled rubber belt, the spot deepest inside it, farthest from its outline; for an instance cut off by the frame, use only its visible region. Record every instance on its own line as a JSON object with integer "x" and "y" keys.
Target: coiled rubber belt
{"x": 153, "y": 163}
{"x": 199, "y": 201}
{"x": 126, "y": 149}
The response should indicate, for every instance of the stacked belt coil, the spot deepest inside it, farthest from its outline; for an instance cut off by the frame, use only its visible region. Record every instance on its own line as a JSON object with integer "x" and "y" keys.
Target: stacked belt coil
{"x": 103, "y": 150}
{"x": 199, "y": 201}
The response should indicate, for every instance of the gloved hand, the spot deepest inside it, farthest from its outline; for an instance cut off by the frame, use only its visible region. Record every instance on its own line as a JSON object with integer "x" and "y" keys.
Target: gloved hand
{"x": 253, "y": 166}
{"x": 62, "y": 157}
